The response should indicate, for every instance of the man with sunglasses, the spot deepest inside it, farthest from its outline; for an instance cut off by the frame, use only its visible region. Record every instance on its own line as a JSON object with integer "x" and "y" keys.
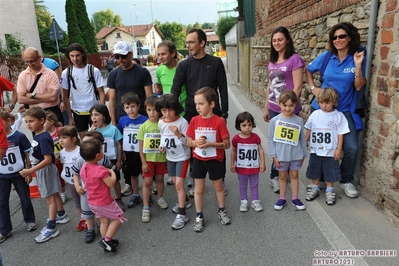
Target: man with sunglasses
{"x": 45, "y": 93}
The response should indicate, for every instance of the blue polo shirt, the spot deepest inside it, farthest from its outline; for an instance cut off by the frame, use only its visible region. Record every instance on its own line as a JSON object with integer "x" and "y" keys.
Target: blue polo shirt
{"x": 338, "y": 75}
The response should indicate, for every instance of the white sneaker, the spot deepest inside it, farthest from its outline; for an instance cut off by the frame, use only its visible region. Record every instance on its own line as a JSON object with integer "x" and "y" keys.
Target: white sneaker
{"x": 244, "y": 206}
{"x": 170, "y": 181}
{"x": 179, "y": 222}
{"x": 349, "y": 190}
{"x": 274, "y": 184}
{"x": 162, "y": 203}
{"x": 46, "y": 234}
{"x": 145, "y": 216}
{"x": 191, "y": 192}
{"x": 154, "y": 189}
{"x": 127, "y": 190}
{"x": 256, "y": 205}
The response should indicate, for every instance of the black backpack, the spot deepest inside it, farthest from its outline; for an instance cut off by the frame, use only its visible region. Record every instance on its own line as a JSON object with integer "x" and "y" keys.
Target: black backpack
{"x": 90, "y": 70}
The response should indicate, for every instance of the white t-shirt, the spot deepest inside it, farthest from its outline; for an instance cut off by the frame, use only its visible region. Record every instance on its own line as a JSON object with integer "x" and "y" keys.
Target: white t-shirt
{"x": 68, "y": 159}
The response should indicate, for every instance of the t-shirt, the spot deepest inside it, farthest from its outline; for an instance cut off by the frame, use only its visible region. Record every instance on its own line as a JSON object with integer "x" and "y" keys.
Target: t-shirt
{"x": 98, "y": 193}
{"x": 248, "y": 157}
{"x": 287, "y": 138}
{"x": 130, "y": 128}
{"x": 111, "y": 136}
{"x": 41, "y": 144}
{"x": 151, "y": 136}
{"x": 3, "y": 136}
{"x": 325, "y": 128}
{"x": 338, "y": 75}
{"x": 14, "y": 160}
{"x": 281, "y": 79}
{"x": 5, "y": 85}
{"x": 68, "y": 159}
{"x": 50, "y": 63}
{"x": 84, "y": 96}
{"x": 214, "y": 129}
{"x": 176, "y": 149}
{"x": 131, "y": 80}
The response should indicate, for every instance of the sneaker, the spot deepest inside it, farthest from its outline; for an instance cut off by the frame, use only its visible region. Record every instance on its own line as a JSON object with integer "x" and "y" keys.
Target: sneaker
{"x": 224, "y": 218}
{"x": 275, "y": 185}
{"x": 162, "y": 203}
{"x": 145, "y": 216}
{"x": 175, "y": 208}
{"x": 350, "y": 190}
{"x": 179, "y": 222}
{"x": 4, "y": 237}
{"x": 154, "y": 189}
{"x": 170, "y": 181}
{"x": 190, "y": 181}
{"x": 31, "y": 227}
{"x": 199, "y": 224}
{"x": 90, "y": 236}
{"x": 63, "y": 197}
{"x": 280, "y": 204}
{"x": 121, "y": 204}
{"x": 81, "y": 225}
{"x": 47, "y": 234}
{"x": 256, "y": 205}
{"x": 127, "y": 190}
{"x": 134, "y": 201}
{"x": 312, "y": 194}
{"x": 330, "y": 198}
{"x": 107, "y": 245}
{"x": 298, "y": 204}
{"x": 62, "y": 219}
{"x": 113, "y": 242}
{"x": 244, "y": 206}
{"x": 191, "y": 192}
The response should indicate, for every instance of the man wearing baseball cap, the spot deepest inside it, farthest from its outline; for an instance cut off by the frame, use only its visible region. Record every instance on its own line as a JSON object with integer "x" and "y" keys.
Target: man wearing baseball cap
{"x": 128, "y": 77}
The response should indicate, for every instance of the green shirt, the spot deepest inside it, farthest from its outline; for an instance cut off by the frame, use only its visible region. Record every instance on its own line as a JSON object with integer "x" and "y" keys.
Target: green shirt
{"x": 150, "y": 135}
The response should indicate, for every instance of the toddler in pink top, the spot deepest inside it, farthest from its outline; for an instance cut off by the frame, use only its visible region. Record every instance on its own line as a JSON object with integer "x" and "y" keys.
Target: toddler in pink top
{"x": 98, "y": 180}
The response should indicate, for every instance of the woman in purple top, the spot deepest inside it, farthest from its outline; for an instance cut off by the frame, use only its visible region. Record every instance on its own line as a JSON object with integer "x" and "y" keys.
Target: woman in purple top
{"x": 285, "y": 73}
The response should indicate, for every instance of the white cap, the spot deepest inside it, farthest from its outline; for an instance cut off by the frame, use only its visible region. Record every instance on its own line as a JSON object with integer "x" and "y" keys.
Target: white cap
{"x": 122, "y": 48}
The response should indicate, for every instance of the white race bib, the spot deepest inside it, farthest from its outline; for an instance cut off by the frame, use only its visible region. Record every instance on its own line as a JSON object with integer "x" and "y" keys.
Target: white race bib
{"x": 321, "y": 139}
{"x": 287, "y": 133}
{"x": 130, "y": 142}
{"x": 12, "y": 162}
{"x": 247, "y": 155}
{"x": 172, "y": 144}
{"x": 151, "y": 142}
{"x": 210, "y": 136}
{"x": 109, "y": 148}
{"x": 32, "y": 159}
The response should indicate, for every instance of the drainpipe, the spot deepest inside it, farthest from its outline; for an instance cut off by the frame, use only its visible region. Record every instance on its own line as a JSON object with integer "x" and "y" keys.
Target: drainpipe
{"x": 370, "y": 51}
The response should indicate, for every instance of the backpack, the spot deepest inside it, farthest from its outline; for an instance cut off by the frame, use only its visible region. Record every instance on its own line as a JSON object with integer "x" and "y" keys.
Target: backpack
{"x": 90, "y": 71}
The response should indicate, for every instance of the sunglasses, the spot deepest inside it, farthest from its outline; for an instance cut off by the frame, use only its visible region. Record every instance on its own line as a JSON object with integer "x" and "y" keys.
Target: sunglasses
{"x": 341, "y": 36}
{"x": 117, "y": 56}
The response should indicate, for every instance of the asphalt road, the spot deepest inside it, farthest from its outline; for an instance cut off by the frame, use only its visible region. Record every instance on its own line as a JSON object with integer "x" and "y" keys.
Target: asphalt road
{"x": 286, "y": 237}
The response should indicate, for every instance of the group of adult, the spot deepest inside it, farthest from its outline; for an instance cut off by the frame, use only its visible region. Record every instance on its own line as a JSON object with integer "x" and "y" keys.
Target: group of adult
{"x": 341, "y": 68}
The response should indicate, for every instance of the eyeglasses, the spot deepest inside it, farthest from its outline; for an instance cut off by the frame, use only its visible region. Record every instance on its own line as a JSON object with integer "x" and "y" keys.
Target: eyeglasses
{"x": 122, "y": 56}
{"x": 190, "y": 43}
{"x": 341, "y": 36}
{"x": 31, "y": 61}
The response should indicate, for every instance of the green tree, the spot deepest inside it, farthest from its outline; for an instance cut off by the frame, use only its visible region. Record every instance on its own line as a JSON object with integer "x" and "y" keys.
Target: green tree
{"x": 105, "y": 18}
{"x": 14, "y": 45}
{"x": 208, "y": 25}
{"x": 172, "y": 32}
{"x": 87, "y": 30}
{"x": 74, "y": 33}
{"x": 223, "y": 27}
{"x": 189, "y": 27}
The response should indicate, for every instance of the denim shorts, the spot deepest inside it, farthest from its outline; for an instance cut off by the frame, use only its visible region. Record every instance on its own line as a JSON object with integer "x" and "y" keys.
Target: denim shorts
{"x": 326, "y": 166}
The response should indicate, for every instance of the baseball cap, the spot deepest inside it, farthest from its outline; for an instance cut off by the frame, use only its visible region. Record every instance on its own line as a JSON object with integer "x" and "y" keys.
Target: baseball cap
{"x": 122, "y": 48}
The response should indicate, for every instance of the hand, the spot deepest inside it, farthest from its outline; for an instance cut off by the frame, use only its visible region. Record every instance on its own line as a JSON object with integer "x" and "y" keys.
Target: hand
{"x": 358, "y": 58}
{"x": 201, "y": 142}
{"x": 233, "y": 168}
{"x": 276, "y": 162}
{"x": 161, "y": 148}
{"x": 62, "y": 106}
{"x": 25, "y": 172}
{"x": 110, "y": 171}
{"x": 266, "y": 115}
{"x": 175, "y": 130}
{"x": 118, "y": 166}
{"x": 71, "y": 122}
{"x": 80, "y": 190}
{"x": 262, "y": 168}
{"x": 145, "y": 168}
{"x": 57, "y": 158}
{"x": 28, "y": 179}
{"x": 21, "y": 108}
{"x": 8, "y": 108}
{"x": 337, "y": 154}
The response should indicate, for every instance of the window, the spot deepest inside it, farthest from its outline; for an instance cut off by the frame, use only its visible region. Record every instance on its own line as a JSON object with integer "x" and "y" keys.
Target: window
{"x": 249, "y": 14}
{"x": 118, "y": 35}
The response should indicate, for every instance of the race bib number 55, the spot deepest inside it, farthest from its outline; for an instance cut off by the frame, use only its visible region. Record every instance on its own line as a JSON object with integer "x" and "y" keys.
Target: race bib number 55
{"x": 287, "y": 133}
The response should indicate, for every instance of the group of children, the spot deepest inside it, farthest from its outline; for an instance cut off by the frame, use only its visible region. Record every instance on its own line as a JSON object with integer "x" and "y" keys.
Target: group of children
{"x": 163, "y": 143}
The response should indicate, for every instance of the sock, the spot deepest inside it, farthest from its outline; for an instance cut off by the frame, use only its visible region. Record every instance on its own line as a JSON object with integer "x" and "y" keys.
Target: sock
{"x": 221, "y": 209}
{"x": 315, "y": 187}
{"x": 51, "y": 224}
{"x": 90, "y": 229}
{"x": 61, "y": 213}
{"x": 294, "y": 197}
{"x": 181, "y": 211}
{"x": 146, "y": 207}
{"x": 282, "y": 197}
{"x": 200, "y": 215}
{"x": 329, "y": 189}
{"x": 106, "y": 238}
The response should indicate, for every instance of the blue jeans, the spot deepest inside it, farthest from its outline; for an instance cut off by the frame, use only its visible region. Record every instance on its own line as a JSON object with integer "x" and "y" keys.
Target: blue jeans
{"x": 350, "y": 149}
{"x": 26, "y": 204}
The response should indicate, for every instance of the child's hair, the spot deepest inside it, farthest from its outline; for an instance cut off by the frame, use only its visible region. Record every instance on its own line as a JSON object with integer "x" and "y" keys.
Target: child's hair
{"x": 4, "y": 114}
{"x": 169, "y": 101}
{"x": 129, "y": 98}
{"x": 95, "y": 135}
{"x": 102, "y": 109}
{"x": 328, "y": 95}
{"x": 36, "y": 112}
{"x": 152, "y": 100}
{"x": 71, "y": 132}
{"x": 53, "y": 117}
{"x": 242, "y": 117}
{"x": 288, "y": 95}
{"x": 158, "y": 85}
{"x": 12, "y": 116}
{"x": 90, "y": 148}
{"x": 208, "y": 93}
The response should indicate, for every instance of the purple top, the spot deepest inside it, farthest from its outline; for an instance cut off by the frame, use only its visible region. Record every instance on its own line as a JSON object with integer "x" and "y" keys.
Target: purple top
{"x": 280, "y": 76}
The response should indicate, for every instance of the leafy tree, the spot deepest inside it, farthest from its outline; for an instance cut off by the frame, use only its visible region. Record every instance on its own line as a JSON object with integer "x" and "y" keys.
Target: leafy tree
{"x": 86, "y": 28}
{"x": 14, "y": 45}
{"x": 189, "y": 27}
{"x": 208, "y": 25}
{"x": 223, "y": 27}
{"x": 197, "y": 25}
{"x": 105, "y": 18}
{"x": 172, "y": 32}
{"x": 74, "y": 33}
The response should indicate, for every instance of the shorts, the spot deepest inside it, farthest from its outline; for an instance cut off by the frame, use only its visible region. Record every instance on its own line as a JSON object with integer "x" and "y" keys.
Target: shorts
{"x": 323, "y": 166}
{"x": 132, "y": 164}
{"x": 82, "y": 122}
{"x": 48, "y": 180}
{"x": 178, "y": 169}
{"x": 110, "y": 211}
{"x": 292, "y": 165}
{"x": 156, "y": 169}
{"x": 117, "y": 173}
{"x": 213, "y": 167}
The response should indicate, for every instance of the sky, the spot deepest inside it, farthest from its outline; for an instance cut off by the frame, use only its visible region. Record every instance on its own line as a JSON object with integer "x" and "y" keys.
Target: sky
{"x": 138, "y": 12}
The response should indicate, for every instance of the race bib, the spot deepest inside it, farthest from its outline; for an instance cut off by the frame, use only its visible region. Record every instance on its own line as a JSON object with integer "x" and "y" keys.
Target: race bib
{"x": 57, "y": 146}
{"x": 67, "y": 173}
{"x": 247, "y": 155}
{"x": 172, "y": 144}
{"x": 33, "y": 159}
{"x": 109, "y": 148}
{"x": 12, "y": 162}
{"x": 287, "y": 133}
{"x": 151, "y": 142}
{"x": 321, "y": 139}
{"x": 209, "y": 136}
{"x": 130, "y": 142}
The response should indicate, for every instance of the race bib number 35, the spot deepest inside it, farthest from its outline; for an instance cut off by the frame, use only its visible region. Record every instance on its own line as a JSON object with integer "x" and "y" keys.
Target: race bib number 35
{"x": 151, "y": 142}
{"x": 287, "y": 133}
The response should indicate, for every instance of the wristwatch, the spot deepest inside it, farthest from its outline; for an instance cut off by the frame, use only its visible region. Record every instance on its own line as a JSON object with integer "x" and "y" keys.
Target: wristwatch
{"x": 11, "y": 106}
{"x": 33, "y": 95}
{"x": 225, "y": 115}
